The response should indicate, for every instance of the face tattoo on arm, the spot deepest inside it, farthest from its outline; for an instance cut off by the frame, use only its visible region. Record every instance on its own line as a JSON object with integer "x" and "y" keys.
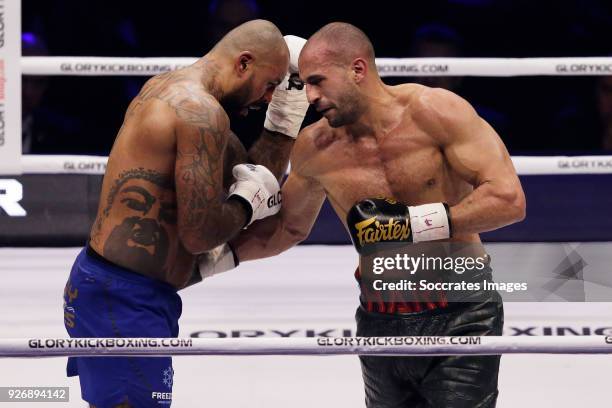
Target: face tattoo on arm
{"x": 141, "y": 239}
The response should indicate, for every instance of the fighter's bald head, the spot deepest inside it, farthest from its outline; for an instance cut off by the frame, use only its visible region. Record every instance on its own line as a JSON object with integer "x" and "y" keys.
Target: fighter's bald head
{"x": 340, "y": 43}
{"x": 260, "y": 37}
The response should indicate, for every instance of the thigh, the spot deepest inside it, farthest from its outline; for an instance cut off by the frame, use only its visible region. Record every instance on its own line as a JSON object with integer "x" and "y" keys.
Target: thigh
{"x": 466, "y": 381}
{"x": 462, "y": 382}
{"x": 386, "y": 386}
{"x": 137, "y": 381}
{"x": 100, "y": 306}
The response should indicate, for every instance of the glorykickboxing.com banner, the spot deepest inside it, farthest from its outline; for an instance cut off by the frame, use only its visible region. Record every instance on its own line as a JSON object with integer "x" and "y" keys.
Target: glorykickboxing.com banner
{"x": 387, "y": 67}
{"x": 493, "y": 67}
{"x": 105, "y": 343}
{"x": 460, "y": 272}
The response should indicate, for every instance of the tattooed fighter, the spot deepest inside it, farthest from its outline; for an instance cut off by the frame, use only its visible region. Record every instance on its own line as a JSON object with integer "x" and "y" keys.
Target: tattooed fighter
{"x": 168, "y": 196}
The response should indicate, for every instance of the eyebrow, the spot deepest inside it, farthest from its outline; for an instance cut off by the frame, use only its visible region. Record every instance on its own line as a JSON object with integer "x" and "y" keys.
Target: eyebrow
{"x": 314, "y": 77}
{"x": 149, "y": 199}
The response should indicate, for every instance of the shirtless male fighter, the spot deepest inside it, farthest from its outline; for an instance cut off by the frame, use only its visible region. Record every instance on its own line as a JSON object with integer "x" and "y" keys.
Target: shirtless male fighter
{"x": 164, "y": 201}
{"x": 423, "y": 147}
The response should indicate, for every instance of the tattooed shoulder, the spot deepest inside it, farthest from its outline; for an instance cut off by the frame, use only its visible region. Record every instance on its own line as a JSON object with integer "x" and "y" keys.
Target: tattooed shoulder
{"x": 180, "y": 92}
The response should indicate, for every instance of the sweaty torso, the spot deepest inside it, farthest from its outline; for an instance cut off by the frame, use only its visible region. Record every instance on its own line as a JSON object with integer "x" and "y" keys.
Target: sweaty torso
{"x": 404, "y": 162}
{"x": 136, "y": 224}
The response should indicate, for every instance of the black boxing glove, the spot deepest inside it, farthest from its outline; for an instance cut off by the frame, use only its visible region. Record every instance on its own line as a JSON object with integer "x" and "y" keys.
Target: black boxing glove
{"x": 381, "y": 220}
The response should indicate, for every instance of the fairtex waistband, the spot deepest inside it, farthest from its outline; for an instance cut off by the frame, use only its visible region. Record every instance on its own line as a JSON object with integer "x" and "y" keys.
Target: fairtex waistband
{"x": 398, "y": 308}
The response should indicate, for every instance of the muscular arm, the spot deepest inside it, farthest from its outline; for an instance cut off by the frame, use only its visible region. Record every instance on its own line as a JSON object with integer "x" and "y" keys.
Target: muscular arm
{"x": 303, "y": 197}
{"x": 477, "y": 154}
{"x": 205, "y": 219}
{"x": 235, "y": 154}
{"x": 272, "y": 150}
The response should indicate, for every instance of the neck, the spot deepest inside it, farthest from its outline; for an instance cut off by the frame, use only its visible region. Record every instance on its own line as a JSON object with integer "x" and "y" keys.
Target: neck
{"x": 380, "y": 113}
{"x": 211, "y": 77}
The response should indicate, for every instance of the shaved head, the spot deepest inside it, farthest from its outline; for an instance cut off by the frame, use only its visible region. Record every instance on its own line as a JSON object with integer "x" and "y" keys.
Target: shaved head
{"x": 255, "y": 58}
{"x": 260, "y": 37}
{"x": 341, "y": 43}
{"x": 338, "y": 67}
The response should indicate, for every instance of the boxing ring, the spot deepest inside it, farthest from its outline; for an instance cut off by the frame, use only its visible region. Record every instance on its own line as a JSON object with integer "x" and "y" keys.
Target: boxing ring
{"x": 301, "y": 295}
{"x": 328, "y": 346}
{"x": 276, "y": 314}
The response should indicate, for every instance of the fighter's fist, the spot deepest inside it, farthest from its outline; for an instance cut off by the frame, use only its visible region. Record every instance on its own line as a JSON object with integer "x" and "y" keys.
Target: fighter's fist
{"x": 295, "y": 45}
{"x": 257, "y": 188}
{"x": 289, "y": 104}
{"x": 375, "y": 221}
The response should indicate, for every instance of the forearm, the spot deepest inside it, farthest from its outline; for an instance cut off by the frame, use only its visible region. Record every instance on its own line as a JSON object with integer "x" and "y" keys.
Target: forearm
{"x": 272, "y": 150}
{"x": 265, "y": 238}
{"x": 302, "y": 201}
{"x": 490, "y": 206}
{"x": 205, "y": 230}
{"x": 284, "y": 116}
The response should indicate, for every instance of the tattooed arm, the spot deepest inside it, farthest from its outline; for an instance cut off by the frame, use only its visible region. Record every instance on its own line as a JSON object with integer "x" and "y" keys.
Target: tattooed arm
{"x": 272, "y": 150}
{"x": 205, "y": 218}
{"x": 235, "y": 153}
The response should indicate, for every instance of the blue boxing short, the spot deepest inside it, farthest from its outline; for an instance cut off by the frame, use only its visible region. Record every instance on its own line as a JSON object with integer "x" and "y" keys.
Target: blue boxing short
{"x": 102, "y": 299}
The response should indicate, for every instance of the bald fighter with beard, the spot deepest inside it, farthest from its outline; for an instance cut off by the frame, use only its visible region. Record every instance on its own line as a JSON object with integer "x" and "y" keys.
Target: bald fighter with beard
{"x": 178, "y": 184}
{"x": 446, "y": 175}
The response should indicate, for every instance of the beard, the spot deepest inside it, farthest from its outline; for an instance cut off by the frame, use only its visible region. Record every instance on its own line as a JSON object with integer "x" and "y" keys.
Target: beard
{"x": 239, "y": 99}
{"x": 348, "y": 109}
{"x": 138, "y": 243}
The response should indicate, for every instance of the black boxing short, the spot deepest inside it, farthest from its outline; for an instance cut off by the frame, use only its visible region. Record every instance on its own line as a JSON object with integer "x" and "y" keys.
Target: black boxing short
{"x": 450, "y": 381}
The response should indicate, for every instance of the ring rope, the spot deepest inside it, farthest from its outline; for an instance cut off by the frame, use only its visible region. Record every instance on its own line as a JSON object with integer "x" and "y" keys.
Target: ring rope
{"x": 525, "y": 165}
{"x": 403, "y": 346}
{"x": 397, "y": 67}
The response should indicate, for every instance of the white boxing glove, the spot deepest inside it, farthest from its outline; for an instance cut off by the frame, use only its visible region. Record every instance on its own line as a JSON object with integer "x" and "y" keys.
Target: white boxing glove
{"x": 289, "y": 104}
{"x": 257, "y": 189}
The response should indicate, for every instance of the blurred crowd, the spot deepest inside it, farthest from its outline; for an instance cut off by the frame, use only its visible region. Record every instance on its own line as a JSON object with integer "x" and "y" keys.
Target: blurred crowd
{"x": 540, "y": 115}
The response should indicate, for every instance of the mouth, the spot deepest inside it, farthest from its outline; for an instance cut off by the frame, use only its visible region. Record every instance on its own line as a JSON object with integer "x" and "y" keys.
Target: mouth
{"x": 324, "y": 111}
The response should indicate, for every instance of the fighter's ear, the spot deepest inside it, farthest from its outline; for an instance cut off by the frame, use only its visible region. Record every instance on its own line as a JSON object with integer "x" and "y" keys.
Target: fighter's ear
{"x": 360, "y": 69}
{"x": 244, "y": 62}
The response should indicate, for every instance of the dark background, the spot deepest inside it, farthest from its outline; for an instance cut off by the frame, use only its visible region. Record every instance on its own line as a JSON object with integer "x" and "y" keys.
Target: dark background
{"x": 540, "y": 115}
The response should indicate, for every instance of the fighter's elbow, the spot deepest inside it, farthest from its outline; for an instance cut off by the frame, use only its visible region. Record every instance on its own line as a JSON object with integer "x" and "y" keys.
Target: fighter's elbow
{"x": 191, "y": 245}
{"x": 521, "y": 208}
{"x": 295, "y": 234}
{"x": 195, "y": 245}
{"x": 515, "y": 205}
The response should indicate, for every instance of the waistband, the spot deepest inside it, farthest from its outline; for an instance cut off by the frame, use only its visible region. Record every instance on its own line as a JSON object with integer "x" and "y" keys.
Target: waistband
{"x": 109, "y": 268}
{"x": 438, "y": 310}
{"x": 375, "y": 305}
